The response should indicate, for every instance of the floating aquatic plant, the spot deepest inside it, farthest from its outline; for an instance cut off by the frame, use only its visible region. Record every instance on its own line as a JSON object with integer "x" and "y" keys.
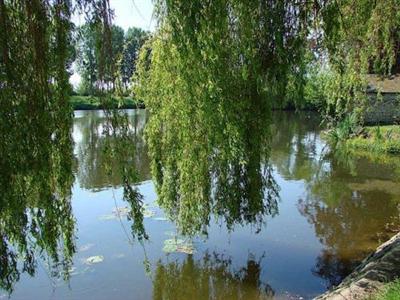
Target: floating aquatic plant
{"x": 147, "y": 213}
{"x": 94, "y": 259}
{"x": 178, "y": 245}
{"x": 74, "y": 271}
{"x": 119, "y": 212}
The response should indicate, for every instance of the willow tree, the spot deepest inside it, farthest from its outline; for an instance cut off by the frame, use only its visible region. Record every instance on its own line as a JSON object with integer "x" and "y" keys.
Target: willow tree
{"x": 36, "y": 51}
{"x": 359, "y": 37}
{"x": 215, "y": 68}
{"x": 36, "y": 148}
{"x": 210, "y": 78}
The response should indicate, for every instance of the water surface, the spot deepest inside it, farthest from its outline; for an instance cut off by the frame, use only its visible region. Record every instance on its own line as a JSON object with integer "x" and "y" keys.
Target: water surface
{"x": 333, "y": 209}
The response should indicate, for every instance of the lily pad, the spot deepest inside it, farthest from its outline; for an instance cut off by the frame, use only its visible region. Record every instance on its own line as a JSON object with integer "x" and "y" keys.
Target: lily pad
{"x": 178, "y": 245}
{"x": 121, "y": 211}
{"x": 94, "y": 259}
{"x": 117, "y": 212}
{"x": 74, "y": 272}
{"x": 147, "y": 213}
{"x": 186, "y": 248}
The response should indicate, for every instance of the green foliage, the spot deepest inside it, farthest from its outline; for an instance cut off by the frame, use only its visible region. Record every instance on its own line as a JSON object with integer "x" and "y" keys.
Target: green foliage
{"x": 360, "y": 37}
{"x": 122, "y": 56}
{"x": 378, "y": 139}
{"x": 390, "y": 292}
{"x": 87, "y": 59}
{"x": 213, "y": 74}
{"x": 90, "y": 58}
{"x": 344, "y": 129}
{"x": 93, "y": 102}
{"x": 210, "y": 77}
{"x": 215, "y": 70}
{"x": 315, "y": 88}
{"x": 134, "y": 40}
{"x": 36, "y": 219}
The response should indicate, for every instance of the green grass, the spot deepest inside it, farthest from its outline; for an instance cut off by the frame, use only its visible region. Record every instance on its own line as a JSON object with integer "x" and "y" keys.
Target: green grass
{"x": 91, "y": 102}
{"x": 378, "y": 139}
{"x": 390, "y": 292}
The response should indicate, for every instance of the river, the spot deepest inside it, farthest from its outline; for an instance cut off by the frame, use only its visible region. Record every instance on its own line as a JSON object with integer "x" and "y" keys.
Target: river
{"x": 332, "y": 210}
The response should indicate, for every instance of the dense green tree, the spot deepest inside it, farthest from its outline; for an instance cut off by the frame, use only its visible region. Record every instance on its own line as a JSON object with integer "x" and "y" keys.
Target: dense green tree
{"x": 360, "y": 37}
{"x": 134, "y": 40}
{"x": 213, "y": 73}
{"x": 36, "y": 145}
{"x": 215, "y": 69}
{"x": 89, "y": 57}
{"x": 36, "y": 220}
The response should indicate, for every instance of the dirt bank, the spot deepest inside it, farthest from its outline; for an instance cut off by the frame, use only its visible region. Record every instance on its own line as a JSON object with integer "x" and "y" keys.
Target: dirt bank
{"x": 380, "y": 267}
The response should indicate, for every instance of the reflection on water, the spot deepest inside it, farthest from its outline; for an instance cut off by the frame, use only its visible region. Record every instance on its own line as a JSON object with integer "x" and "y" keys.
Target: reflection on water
{"x": 90, "y": 150}
{"x": 212, "y": 276}
{"x": 334, "y": 208}
{"x": 351, "y": 202}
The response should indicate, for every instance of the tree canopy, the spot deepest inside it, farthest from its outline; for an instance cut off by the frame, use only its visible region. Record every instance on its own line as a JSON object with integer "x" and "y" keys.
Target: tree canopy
{"x": 123, "y": 54}
{"x": 134, "y": 40}
{"x": 209, "y": 76}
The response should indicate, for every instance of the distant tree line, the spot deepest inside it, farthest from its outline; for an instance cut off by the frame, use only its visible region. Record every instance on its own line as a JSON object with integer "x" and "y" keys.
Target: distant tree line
{"x": 123, "y": 54}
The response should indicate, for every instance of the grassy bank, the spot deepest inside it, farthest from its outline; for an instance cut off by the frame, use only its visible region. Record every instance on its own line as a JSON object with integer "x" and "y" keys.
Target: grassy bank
{"x": 389, "y": 292}
{"x": 91, "y": 102}
{"x": 378, "y": 139}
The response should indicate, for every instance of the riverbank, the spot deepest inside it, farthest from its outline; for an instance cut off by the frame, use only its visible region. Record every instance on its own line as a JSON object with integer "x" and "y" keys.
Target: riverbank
{"x": 92, "y": 102}
{"x": 377, "y": 139}
{"x": 369, "y": 280}
{"x": 389, "y": 292}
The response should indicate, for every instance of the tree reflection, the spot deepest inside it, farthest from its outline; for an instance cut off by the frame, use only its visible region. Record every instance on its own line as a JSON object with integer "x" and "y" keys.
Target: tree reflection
{"x": 294, "y": 144}
{"x": 350, "y": 227}
{"x": 91, "y": 146}
{"x": 212, "y": 277}
{"x": 351, "y": 203}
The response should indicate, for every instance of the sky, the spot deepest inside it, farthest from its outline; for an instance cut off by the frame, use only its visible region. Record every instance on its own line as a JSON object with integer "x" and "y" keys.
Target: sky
{"x": 127, "y": 13}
